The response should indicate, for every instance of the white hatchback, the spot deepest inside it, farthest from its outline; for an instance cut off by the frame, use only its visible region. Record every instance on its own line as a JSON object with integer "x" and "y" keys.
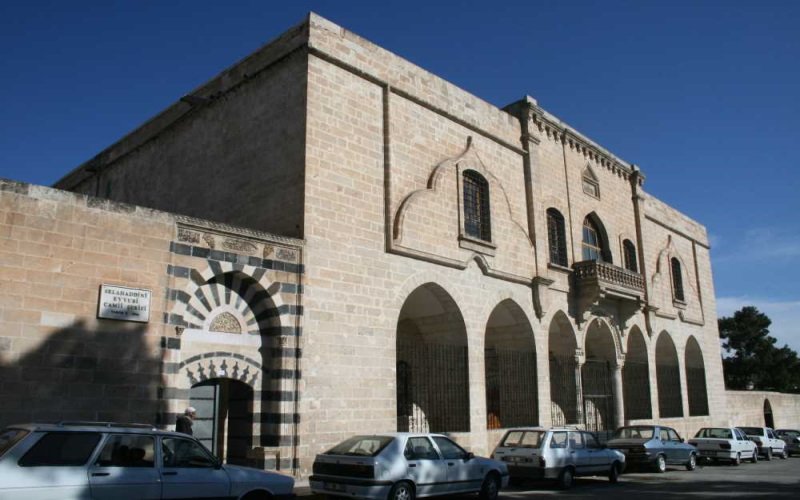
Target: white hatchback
{"x": 401, "y": 466}
{"x": 108, "y": 461}
{"x": 559, "y": 453}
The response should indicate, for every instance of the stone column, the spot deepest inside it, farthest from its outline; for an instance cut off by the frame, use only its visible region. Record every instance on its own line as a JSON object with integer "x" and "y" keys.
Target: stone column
{"x": 619, "y": 396}
{"x": 578, "y": 390}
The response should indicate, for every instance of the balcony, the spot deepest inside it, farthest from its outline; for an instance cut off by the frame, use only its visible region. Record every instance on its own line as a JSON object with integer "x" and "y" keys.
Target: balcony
{"x": 594, "y": 280}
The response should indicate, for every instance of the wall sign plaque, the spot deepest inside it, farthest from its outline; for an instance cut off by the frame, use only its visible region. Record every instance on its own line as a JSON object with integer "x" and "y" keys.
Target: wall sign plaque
{"x": 124, "y": 304}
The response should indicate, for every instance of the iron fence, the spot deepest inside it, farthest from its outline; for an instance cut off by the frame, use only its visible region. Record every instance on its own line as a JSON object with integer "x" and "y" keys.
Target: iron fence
{"x": 636, "y": 390}
{"x": 563, "y": 390}
{"x": 432, "y": 388}
{"x": 668, "y": 380}
{"x": 511, "y": 392}
{"x": 696, "y": 389}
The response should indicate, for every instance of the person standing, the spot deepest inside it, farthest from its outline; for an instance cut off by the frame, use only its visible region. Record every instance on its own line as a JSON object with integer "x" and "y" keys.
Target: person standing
{"x": 184, "y": 422}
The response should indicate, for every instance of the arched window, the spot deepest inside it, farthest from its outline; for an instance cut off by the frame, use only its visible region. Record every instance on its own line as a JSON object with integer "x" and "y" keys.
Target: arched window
{"x": 556, "y": 236}
{"x": 677, "y": 280}
{"x": 594, "y": 244}
{"x": 476, "y": 206}
{"x": 629, "y": 252}
{"x": 590, "y": 184}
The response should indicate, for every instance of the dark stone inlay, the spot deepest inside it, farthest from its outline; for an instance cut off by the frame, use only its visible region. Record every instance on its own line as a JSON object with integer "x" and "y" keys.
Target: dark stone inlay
{"x": 200, "y": 252}
{"x": 180, "y": 248}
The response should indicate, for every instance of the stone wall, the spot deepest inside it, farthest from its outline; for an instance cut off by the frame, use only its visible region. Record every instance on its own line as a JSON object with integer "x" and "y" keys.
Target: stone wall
{"x": 231, "y": 151}
{"x": 749, "y": 408}
{"x": 225, "y": 305}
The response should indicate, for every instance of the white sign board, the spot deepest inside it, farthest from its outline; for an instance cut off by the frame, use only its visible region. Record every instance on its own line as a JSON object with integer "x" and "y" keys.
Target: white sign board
{"x": 123, "y": 303}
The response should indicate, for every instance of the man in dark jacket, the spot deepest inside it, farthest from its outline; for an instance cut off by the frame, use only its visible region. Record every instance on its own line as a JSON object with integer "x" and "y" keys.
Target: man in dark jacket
{"x": 184, "y": 422}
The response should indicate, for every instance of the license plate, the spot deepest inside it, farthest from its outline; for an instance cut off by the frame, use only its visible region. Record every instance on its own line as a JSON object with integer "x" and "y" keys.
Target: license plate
{"x": 333, "y": 486}
{"x": 514, "y": 459}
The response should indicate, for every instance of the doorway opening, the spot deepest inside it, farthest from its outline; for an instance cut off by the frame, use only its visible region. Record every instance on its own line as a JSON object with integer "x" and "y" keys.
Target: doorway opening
{"x": 224, "y": 422}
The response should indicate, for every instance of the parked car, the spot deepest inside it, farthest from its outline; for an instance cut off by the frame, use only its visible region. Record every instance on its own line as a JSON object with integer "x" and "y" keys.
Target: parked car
{"x": 767, "y": 442}
{"x": 792, "y": 439}
{"x": 724, "y": 443}
{"x": 559, "y": 453}
{"x": 653, "y": 446}
{"x": 401, "y": 466}
{"x": 109, "y": 461}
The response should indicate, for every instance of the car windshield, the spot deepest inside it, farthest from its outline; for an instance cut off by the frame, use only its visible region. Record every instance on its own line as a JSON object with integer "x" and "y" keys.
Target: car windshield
{"x": 524, "y": 439}
{"x": 791, "y": 434}
{"x": 752, "y": 431}
{"x": 362, "y": 446}
{"x": 714, "y": 433}
{"x": 10, "y": 437}
{"x": 642, "y": 432}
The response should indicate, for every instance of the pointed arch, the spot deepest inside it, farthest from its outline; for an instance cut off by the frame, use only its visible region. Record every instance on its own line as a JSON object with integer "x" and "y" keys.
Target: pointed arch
{"x": 769, "y": 418}
{"x": 510, "y": 368}
{"x": 695, "y": 378}
{"x": 563, "y": 347}
{"x": 636, "y": 378}
{"x": 594, "y": 243}
{"x": 432, "y": 363}
{"x": 597, "y": 374}
{"x": 668, "y": 378}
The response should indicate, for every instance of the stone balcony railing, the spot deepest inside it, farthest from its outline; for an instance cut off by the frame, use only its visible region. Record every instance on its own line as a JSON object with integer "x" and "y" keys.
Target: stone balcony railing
{"x": 604, "y": 277}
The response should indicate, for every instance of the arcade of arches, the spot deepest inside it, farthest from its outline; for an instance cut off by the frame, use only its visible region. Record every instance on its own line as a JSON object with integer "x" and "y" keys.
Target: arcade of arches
{"x": 594, "y": 384}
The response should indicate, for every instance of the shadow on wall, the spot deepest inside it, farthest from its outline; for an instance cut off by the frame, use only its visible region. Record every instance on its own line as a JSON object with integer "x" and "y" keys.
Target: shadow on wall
{"x": 108, "y": 374}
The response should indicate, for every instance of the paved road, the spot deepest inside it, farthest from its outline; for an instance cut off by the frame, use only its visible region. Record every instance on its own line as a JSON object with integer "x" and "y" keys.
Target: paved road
{"x": 775, "y": 479}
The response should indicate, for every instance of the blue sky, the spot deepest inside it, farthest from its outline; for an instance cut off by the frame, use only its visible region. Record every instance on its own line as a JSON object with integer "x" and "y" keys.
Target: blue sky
{"x": 702, "y": 95}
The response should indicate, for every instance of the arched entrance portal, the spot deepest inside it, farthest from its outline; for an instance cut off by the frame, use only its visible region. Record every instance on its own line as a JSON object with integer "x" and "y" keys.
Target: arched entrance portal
{"x": 224, "y": 420}
{"x": 510, "y": 364}
{"x": 597, "y": 378}
{"x": 636, "y": 378}
{"x": 769, "y": 421}
{"x": 562, "y": 346}
{"x": 432, "y": 365}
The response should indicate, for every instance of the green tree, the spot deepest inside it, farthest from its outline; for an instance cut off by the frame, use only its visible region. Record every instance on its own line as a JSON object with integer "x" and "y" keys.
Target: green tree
{"x": 751, "y": 356}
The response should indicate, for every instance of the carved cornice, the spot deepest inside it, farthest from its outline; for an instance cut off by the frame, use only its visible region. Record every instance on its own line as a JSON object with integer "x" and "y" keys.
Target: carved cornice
{"x": 538, "y": 125}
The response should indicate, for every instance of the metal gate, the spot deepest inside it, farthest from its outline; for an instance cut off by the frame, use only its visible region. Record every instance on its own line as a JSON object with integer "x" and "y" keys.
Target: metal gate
{"x": 432, "y": 388}
{"x": 598, "y": 396}
{"x": 511, "y": 392}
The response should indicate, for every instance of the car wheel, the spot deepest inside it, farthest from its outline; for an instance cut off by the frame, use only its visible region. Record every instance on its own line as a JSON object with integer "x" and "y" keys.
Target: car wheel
{"x": 692, "y": 463}
{"x": 490, "y": 488}
{"x": 738, "y": 459}
{"x": 565, "y": 478}
{"x": 754, "y": 458}
{"x": 401, "y": 491}
{"x": 661, "y": 464}
{"x": 613, "y": 474}
{"x": 768, "y": 455}
{"x": 783, "y": 454}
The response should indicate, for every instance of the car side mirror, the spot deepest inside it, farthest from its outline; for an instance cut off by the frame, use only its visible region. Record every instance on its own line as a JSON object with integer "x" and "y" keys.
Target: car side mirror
{"x": 469, "y": 456}
{"x": 683, "y": 440}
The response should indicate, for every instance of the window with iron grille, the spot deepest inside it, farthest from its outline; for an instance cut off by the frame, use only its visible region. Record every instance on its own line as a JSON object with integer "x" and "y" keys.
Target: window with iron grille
{"x": 630, "y": 256}
{"x": 556, "y": 236}
{"x": 476, "y": 206}
{"x": 677, "y": 279}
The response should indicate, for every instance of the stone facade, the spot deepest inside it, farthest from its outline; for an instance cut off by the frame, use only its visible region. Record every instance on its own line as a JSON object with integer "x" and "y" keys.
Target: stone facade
{"x": 59, "y": 361}
{"x": 389, "y": 312}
